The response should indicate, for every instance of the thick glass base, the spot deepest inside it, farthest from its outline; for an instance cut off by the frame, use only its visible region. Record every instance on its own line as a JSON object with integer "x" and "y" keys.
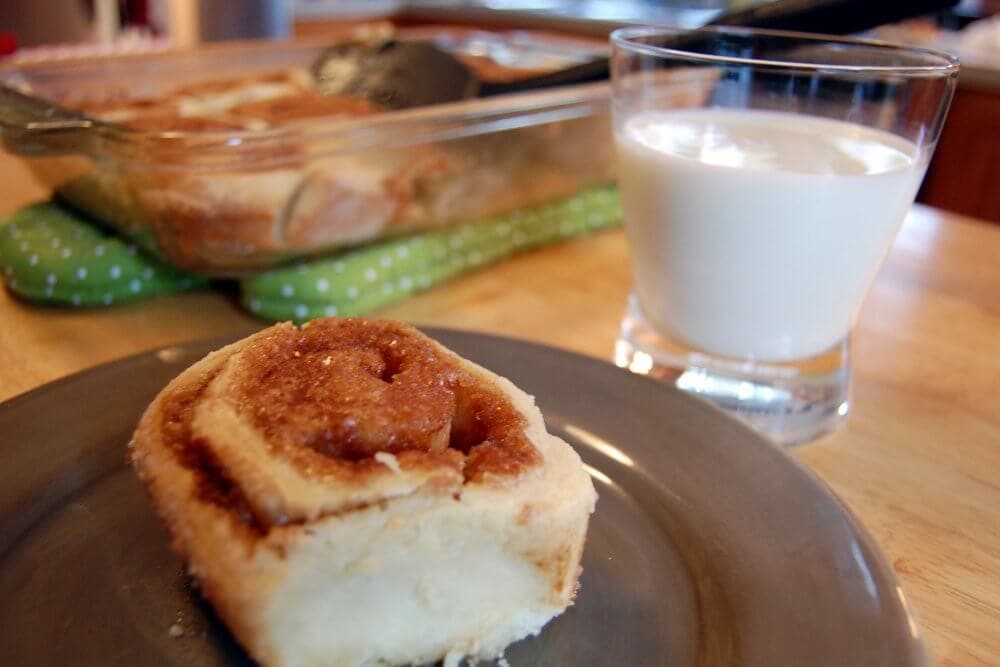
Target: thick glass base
{"x": 789, "y": 402}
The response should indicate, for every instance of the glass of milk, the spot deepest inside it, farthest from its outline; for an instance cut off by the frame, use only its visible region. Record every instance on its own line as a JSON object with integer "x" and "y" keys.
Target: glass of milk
{"x": 763, "y": 178}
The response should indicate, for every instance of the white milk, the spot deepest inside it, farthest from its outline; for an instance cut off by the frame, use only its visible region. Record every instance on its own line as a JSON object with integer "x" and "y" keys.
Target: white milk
{"x": 756, "y": 234}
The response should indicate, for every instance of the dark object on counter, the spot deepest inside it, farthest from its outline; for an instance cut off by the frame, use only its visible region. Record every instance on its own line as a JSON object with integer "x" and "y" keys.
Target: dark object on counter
{"x": 222, "y": 20}
{"x": 399, "y": 75}
{"x": 831, "y": 17}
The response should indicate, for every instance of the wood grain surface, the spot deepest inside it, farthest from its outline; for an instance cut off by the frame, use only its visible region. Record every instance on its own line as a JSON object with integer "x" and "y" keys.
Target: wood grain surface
{"x": 918, "y": 460}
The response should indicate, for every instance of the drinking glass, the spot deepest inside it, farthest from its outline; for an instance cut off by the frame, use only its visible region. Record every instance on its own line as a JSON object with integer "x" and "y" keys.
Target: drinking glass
{"x": 763, "y": 176}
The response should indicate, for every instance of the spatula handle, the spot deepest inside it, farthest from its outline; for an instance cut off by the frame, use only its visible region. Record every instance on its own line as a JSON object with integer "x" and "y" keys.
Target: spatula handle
{"x": 832, "y": 17}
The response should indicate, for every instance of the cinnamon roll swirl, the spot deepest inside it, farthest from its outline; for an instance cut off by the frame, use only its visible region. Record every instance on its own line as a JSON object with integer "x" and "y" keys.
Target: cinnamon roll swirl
{"x": 353, "y": 493}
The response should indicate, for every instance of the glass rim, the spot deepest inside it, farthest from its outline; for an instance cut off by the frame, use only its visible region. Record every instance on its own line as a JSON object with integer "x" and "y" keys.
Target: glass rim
{"x": 625, "y": 38}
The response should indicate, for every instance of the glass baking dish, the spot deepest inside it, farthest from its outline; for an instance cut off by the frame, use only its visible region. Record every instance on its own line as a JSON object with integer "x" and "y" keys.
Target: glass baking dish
{"x": 229, "y": 202}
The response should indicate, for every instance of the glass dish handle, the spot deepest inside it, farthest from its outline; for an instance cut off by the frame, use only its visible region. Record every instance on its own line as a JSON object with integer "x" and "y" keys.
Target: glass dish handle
{"x": 33, "y": 127}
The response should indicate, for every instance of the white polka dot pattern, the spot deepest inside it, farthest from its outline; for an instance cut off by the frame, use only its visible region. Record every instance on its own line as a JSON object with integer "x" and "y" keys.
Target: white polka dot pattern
{"x": 361, "y": 280}
{"x": 52, "y": 255}
{"x": 49, "y": 254}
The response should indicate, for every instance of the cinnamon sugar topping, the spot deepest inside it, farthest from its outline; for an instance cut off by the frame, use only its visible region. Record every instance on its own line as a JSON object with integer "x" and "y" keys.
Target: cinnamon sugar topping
{"x": 349, "y": 388}
{"x": 341, "y": 397}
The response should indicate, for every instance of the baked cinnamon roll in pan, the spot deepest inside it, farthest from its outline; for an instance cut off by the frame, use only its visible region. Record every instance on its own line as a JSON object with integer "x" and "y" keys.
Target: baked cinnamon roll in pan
{"x": 353, "y": 493}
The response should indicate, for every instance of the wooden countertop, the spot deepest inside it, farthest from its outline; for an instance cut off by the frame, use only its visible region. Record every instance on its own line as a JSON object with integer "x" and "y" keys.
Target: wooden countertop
{"x": 919, "y": 458}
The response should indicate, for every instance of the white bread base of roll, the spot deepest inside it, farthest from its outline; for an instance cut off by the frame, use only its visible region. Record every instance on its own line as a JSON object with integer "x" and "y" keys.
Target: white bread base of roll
{"x": 408, "y": 580}
{"x": 417, "y": 583}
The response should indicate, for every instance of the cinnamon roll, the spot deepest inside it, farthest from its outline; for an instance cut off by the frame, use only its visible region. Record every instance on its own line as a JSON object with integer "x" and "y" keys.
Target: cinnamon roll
{"x": 353, "y": 493}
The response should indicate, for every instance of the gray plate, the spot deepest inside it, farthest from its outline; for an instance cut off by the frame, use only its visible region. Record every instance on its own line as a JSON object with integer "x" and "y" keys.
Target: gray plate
{"x": 709, "y": 545}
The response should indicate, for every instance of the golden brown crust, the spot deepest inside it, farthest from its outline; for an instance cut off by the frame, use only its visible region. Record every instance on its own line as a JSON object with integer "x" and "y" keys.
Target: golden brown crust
{"x": 286, "y": 77}
{"x": 176, "y": 493}
{"x": 303, "y": 105}
{"x": 268, "y": 99}
{"x": 326, "y": 401}
{"x": 256, "y": 102}
{"x": 167, "y": 120}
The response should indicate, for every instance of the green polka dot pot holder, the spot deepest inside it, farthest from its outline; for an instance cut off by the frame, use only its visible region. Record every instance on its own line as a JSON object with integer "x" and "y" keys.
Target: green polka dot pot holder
{"x": 362, "y": 280}
{"x": 51, "y": 255}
